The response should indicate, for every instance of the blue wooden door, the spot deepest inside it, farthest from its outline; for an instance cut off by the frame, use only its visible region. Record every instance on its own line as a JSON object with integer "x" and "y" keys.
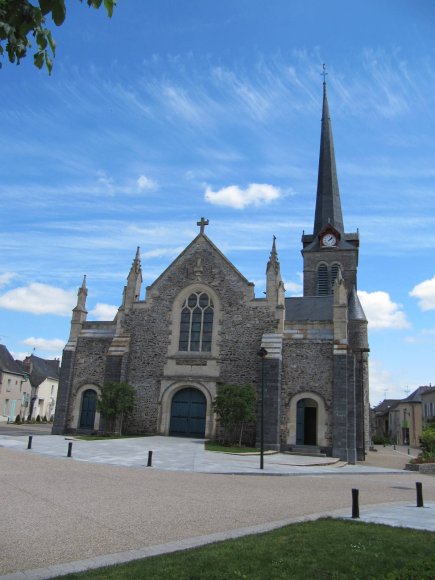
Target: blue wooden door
{"x": 188, "y": 413}
{"x": 89, "y": 406}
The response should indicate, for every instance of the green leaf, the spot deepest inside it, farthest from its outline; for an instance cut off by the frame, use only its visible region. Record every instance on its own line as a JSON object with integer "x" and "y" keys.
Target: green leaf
{"x": 109, "y": 5}
{"x": 38, "y": 59}
{"x": 46, "y": 6}
{"x": 58, "y": 12}
{"x": 48, "y": 63}
{"x": 51, "y": 42}
{"x": 41, "y": 40}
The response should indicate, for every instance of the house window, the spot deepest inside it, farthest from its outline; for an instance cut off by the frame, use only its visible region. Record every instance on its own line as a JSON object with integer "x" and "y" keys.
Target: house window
{"x": 196, "y": 324}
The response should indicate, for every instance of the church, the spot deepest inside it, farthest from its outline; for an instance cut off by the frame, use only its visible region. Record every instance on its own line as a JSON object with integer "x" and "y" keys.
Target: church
{"x": 200, "y": 326}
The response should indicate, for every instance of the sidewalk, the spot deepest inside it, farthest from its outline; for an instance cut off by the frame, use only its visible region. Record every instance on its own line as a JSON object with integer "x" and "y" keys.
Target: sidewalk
{"x": 189, "y": 455}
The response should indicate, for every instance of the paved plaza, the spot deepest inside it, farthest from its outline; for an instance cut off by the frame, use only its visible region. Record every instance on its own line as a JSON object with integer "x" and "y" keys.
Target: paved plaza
{"x": 104, "y": 505}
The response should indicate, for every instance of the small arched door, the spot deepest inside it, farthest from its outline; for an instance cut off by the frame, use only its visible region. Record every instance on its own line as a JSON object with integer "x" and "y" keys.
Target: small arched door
{"x": 306, "y": 422}
{"x": 89, "y": 406}
{"x": 188, "y": 413}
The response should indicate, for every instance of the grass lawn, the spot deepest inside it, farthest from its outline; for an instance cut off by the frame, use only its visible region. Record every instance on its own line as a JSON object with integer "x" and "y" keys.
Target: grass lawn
{"x": 321, "y": 549}
{"x": 213, "y": 446}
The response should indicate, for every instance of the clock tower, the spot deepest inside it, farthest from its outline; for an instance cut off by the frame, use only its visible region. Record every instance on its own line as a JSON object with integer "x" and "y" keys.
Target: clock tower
{"x": 328, "y": 250}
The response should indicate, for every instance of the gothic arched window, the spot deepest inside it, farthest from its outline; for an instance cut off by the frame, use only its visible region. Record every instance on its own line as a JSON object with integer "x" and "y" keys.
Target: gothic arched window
{"x": 196, "y": 323}
{"x": 322, "y": 280}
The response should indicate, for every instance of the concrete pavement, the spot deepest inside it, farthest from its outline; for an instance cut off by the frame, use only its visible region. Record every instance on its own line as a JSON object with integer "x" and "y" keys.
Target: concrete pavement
{"x": 89, "y": 513}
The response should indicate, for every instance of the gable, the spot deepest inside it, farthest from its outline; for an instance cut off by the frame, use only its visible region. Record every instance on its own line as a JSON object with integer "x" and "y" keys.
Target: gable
{"x": 201, "y": 261}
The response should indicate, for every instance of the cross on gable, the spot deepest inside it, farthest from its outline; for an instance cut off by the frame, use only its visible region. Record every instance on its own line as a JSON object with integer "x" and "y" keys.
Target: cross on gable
{"x": 202, "y": 223}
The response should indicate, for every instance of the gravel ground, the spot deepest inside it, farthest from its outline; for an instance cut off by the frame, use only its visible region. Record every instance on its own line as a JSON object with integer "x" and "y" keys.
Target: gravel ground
{"x": 58, "y": 510}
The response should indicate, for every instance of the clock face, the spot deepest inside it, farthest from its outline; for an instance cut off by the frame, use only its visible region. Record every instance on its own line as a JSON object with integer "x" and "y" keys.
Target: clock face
{"x": 329, "y": 240}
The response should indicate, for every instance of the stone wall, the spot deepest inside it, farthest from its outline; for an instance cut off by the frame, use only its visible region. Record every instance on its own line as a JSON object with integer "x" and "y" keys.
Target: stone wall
{"x": 307, "y": 366}
{"x": 240, "y": 322}
{"x": 348, "y": 260}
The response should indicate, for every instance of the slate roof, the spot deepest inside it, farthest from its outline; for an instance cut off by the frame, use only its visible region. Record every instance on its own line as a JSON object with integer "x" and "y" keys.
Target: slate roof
{"x": 7, "y": 362}
{"x": 415, "y": 396}
{"x": 41, "y": 369}
{"x": 385, "y": 405}
{"x": 308, "y": 308}
{"x": 356, "y": 311}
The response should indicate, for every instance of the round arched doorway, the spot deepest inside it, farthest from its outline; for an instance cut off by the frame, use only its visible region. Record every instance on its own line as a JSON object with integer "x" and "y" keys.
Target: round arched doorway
{"x": 88, "y": 409}
{"x": 188, "y": 413}
{"x": 306, "y": 422}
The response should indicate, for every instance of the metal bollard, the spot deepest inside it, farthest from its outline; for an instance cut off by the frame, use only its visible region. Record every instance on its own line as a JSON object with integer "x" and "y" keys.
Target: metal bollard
{"x": 29, "y": 444}
{"x": 419, "y": 488}
{"x": 394, "y": 447}
{"x": 355, "y": 503}
{"x": 69, "y": 449}
{"x": 150, "y": 459}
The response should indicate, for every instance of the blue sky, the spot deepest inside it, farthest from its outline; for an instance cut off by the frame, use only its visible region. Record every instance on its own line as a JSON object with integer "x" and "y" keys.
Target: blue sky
{"x": 175, "y": 110}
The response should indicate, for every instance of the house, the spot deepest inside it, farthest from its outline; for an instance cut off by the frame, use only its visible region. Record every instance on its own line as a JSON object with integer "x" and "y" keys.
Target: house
{"x": 15, "y": 387}
{"x": 44, "y": 379}
{"x": 428, "y": 404}
{"x": 381, "y": 418}
{"x": 401, "y": 421}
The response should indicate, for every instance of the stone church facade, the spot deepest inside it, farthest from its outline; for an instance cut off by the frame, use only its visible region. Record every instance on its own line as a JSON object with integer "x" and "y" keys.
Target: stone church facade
{"x": 201, "y": 326}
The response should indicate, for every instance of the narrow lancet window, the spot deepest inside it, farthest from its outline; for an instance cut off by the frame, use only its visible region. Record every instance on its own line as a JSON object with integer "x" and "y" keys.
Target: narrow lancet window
{"x": 322, "y": 280}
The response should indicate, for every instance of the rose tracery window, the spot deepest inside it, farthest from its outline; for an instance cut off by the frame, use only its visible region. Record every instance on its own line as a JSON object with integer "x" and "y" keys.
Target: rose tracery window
{"x": 196, "y": 323}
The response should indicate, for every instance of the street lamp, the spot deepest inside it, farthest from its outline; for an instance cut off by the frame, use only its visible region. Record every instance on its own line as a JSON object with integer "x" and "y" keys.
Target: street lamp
{"x": 262, "y": 353}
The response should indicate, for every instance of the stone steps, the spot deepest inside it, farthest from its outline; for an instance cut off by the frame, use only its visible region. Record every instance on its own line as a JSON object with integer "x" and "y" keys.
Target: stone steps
{"x": 311, "y": 450}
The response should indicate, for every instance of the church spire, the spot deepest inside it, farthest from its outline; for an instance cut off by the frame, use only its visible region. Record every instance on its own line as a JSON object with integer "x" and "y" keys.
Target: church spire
{"x": 328, "y": 204}
{"x": 134, "y": 281}
{"x": 79, "y": 312}
{"x": 275, "y": 292}
{"x": 273, "y": 260}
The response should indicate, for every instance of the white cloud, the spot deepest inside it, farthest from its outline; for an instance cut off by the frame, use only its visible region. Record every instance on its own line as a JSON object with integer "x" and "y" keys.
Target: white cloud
{"x": 295, "y": 288}
{"x": 425, "y": 292}
{"x": 6, "y": 278}
{"x": 104, "y": 311}
{"x": 382, "y": 383}
{"x": 233, "y": 196}
{"x": 381, "y": 311}
{"x": 39, "y": 299}
{"x": 17, "y": 355}
{"x": 146, "y": 183}
{"x": 45, "y": 344}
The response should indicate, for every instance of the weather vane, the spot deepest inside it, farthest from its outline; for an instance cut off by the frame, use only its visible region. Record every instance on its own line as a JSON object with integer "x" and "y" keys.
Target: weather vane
{"x": 324, "y": 73}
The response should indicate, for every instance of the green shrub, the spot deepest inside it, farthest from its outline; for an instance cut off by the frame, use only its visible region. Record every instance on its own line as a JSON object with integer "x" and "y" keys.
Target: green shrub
{"x": 38, "y": 419}
{"x": 380, "y": 440}
{"x": 44, "y": 420}
{"x": 17, "y": 419}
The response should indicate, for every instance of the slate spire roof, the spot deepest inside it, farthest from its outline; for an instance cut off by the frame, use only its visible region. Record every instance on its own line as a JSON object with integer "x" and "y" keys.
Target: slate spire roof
{"x": 273, "y": 260}
{"x": 328, "y": 204}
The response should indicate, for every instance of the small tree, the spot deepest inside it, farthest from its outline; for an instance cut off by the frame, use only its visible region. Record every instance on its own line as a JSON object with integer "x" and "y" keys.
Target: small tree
{"x": 235, "y": 407}
{"x": 115, "y": 401}
{"x": 427, "y": 441}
